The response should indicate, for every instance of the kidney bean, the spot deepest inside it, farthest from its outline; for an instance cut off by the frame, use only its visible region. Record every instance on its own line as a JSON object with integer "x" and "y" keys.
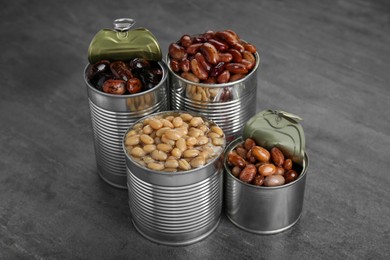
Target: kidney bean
{"x": 210, "y": 80}
{"x": 236, "y": 68}
{"x": 176, "y": 51}
{"x": 114, "y": 86}
{"x": 175, "y": 65}
{"x": 219, "y": 45}
{"x": 227, "y": 36}
{"x": 217, "y": 69}
{"x": 249, "y": 57}
{"x": 237, "y": 56}
{"x": 202, "y": 61}
{"x": 248, "y": 65}
{"x": 274, "y": 180}
{"x": 198, "y": 69}
{"x": 184, "y": 65}
{"x": 248, "y": 173}
{"x": 238, "y": 46}
{"x": 190, "y": 76}
{"x": 225, "y": 57}
{"x": 138, "y": 64}
{"x": 134, "y": 85}
{"x": 249, "y": 47}
{"x": 185, "y": 41}
{"x": 209, "y": 52}
{"x": 223, "y": 77}
{"x": 290, "y": 176}
{"x": 236, "y": 77}
{"x": 193, "y": 48}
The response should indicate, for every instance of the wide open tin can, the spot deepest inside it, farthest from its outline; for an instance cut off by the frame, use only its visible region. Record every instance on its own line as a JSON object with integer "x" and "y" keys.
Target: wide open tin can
{"x": 175, "y": 208}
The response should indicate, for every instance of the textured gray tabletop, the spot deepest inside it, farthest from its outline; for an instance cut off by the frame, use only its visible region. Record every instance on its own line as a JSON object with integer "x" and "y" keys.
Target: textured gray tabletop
{"x": 326, "y": 61}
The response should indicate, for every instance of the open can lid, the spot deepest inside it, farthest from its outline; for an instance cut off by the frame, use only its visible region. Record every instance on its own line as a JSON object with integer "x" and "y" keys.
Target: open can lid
{"x": 271, "y": 128}
{"x": 121, "y": 43}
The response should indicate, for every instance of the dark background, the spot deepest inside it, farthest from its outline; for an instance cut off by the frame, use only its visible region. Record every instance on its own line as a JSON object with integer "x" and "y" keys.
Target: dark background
{"x": 326, "y": 61}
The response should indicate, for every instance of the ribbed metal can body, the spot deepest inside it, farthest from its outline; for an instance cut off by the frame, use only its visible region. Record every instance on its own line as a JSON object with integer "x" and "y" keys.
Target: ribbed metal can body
{"x": 230, "y": 105}
{"x": 259, "y": 209}
{"x": 175, "y": 208}
{"x": 111, "y": 116}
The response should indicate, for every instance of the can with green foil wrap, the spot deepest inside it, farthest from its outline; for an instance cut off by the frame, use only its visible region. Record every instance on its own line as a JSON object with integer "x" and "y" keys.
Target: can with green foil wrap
{"x": 112, "y": 115}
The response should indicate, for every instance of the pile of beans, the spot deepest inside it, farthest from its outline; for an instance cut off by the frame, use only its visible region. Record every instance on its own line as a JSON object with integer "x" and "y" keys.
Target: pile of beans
{"x": 212, "y": 57}
{"x": 256, "y": 165}
{"x": 174, "y": 142}
{"x": 120, "y": 78}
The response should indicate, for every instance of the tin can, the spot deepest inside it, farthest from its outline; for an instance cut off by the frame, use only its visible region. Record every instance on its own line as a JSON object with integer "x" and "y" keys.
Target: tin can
{"x": 267, "y": 210}
{"x": 230, "y": 105}
{"x": 111, "y": 116}
{"x": 175, "y": 208}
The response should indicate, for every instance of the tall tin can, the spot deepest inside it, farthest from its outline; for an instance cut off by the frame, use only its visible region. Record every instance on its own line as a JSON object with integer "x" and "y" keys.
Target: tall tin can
{"x": 260, "y": 209}
{"x": 111, "y": 115}
{"x": 175, "y": 208}
{"x": 230, "y": 105}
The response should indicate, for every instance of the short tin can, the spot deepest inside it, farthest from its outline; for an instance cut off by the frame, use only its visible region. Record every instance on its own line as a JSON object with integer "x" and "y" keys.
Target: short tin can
{"x": 260, "y": 209}
{"x": 111, "y": 115}
{"x": 230, "y": 105}
{"x": 175, "y": 208}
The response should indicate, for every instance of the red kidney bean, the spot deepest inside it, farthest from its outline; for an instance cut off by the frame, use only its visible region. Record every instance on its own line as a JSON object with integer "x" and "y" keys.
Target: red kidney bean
{"x": 193, "y": 48}
{"x": 238, "y": 46}
{"x": 217, "y": 69}
{"x": 236, "y": 77}
{"x": 237, "y": 56}
{"x": 174, "y": 65}
{"x": 176, "y": 51}
{"x": 190, "y": 76}
{"x": 249, "y": 47}
{"x": 184, "y": 65}
{"x": 225, "y": 57}
{"x": 210, "y": 80}
{"x": 248, "y": 65}
{"x": 198, "y": 70}
{"x": 209, "y": 52}
{"x": 185, "y": 41}
{"x": 219, "y": 45}
{"x": 249, "y": 57}
{"x": 223, "y": 77}
{"x": 201, "y": 59}
{"x": 227, "y": 36}
{"x": 236, "y": 68}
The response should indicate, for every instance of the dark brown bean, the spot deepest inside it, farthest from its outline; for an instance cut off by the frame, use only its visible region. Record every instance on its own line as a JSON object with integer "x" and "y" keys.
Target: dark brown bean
{"x": 174, "y": 65}
{"x": 176, "y": 51}
{"x": 185, "y": 41}
{"x": 217, "y": 69}
{"x": 287, "y": 165}
{"x": 227, "y": 36}
{"x": 184, "y": 65}
{"x": 114, "y": 86}
{"x": 258, "y": 180}
{"x": 120, "y": 70}
{"x": 193, "y": 48}
{"x": 290, "y": 176}
{"x": 249, "y": 144}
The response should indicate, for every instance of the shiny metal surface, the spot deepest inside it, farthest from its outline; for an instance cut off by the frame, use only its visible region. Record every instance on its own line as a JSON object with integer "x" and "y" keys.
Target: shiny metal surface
{"x": 263, "y": 210}
{"x": 229, "y": 105}
{"x": 111, "y": 116}
{"x": 175, "y": 208}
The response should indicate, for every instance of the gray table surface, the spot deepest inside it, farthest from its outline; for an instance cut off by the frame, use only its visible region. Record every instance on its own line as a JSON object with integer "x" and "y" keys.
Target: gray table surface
{"x": 326, "y": 61}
